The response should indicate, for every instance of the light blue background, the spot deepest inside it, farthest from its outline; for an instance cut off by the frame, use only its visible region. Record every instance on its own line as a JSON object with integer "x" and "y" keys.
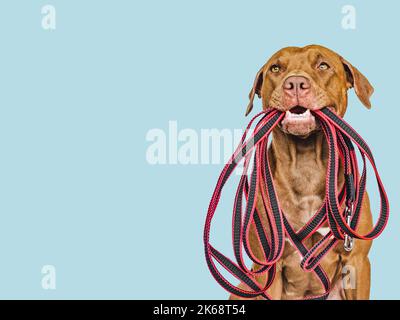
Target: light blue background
{"x": 76, "y": 103}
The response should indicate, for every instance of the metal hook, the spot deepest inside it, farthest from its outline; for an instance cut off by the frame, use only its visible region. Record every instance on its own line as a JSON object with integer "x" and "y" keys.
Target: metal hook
{"x": 348, "y": 241}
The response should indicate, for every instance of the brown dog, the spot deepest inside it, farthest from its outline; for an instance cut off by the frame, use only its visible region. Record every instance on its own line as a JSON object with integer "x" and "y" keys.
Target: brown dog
{"x": 297, "y": 80}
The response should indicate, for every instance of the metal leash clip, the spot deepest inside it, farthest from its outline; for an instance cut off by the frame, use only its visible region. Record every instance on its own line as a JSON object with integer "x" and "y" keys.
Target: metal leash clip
{"x": 348, "y": 241}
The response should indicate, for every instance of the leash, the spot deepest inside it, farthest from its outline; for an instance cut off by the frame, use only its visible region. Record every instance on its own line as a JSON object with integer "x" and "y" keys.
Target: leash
{"x": 341, "y": 139}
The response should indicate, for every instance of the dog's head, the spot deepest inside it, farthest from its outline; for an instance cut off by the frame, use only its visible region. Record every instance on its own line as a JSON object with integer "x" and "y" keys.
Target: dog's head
{"x": 296, "y": 80}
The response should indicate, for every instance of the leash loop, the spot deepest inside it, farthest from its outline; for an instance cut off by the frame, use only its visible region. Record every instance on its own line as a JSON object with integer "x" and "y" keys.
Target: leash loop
{"x": 340, "y": 210}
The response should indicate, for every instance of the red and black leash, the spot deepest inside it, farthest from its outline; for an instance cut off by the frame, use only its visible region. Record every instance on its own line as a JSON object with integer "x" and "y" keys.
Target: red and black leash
{"x": 340, "y": 137}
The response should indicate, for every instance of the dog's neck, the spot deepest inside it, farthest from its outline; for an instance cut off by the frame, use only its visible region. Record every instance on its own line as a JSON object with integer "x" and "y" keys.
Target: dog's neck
{"x": 299, "y": 171}
{"x": 292, "y": 151}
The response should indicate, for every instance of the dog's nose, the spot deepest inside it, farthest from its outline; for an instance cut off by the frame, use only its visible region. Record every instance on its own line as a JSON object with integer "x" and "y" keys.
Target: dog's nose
{"x": 297, "y": 85}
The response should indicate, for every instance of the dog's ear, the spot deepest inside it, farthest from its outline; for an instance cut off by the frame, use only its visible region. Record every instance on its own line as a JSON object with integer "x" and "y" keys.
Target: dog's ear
{"x": 361, "y": 85}
{"x": 256, "y": 90}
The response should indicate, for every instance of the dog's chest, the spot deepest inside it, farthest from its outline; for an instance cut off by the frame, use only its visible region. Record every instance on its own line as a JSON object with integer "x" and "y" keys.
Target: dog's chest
{"x": 301, "y": 192}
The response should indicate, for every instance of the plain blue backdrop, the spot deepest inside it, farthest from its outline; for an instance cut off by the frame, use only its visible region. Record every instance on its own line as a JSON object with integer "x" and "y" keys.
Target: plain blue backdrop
{"x": 76, "y": 104}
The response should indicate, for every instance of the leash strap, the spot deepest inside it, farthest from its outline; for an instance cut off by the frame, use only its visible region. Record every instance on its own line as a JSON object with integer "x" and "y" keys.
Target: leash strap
{"x": 256, "y": 189}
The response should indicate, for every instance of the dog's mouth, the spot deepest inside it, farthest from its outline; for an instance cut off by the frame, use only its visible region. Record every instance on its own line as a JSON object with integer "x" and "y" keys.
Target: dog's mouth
{"x": 298, "y": 110}
{"x": 299, "y": 121}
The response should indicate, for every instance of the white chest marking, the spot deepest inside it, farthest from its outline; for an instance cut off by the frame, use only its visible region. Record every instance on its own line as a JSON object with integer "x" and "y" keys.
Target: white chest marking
{"x": 323, "y": 231}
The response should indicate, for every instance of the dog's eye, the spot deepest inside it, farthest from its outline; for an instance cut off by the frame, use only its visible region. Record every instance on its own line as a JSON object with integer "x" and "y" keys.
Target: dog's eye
{"x": 275, "y": 68}
{"x": 323, "y": 66}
